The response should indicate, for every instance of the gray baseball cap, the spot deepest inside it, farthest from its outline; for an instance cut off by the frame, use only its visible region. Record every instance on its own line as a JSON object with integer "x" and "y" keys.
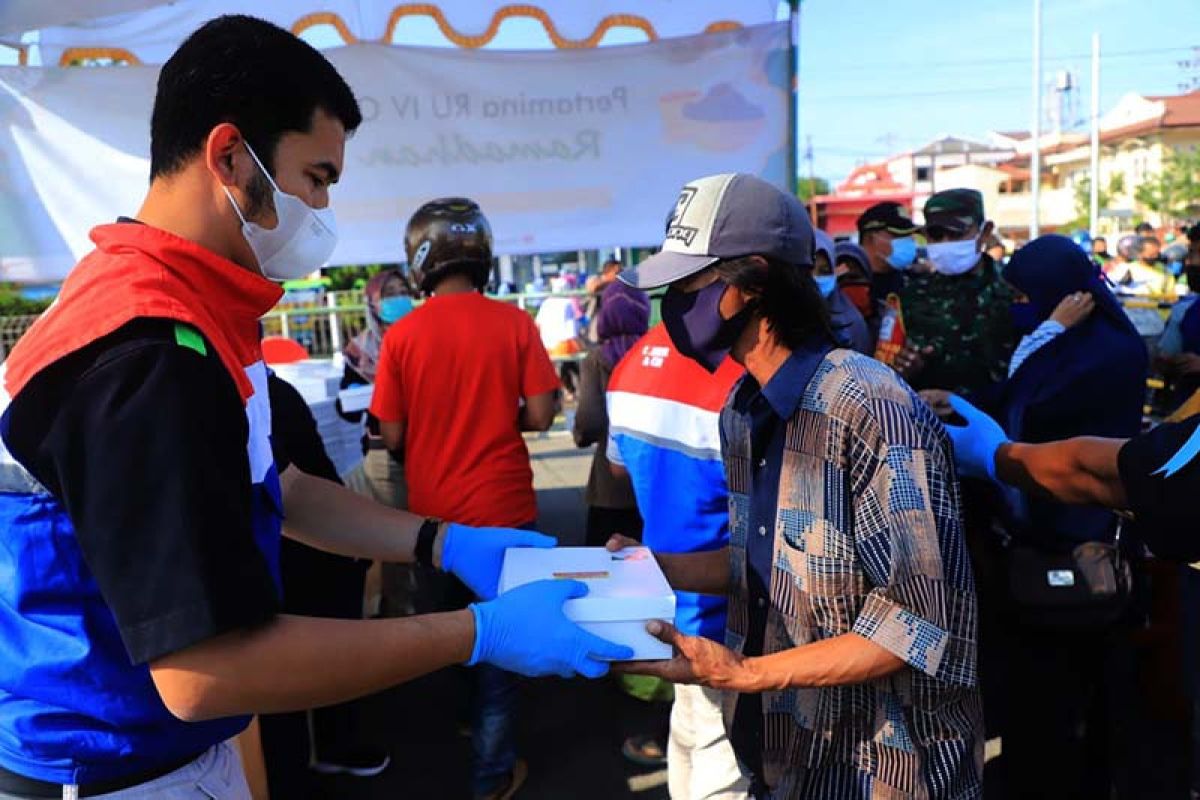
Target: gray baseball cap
{"x": 727, "y": 216}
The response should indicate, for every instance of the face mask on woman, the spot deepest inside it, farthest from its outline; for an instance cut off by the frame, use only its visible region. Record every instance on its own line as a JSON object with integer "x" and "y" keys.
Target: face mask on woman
{"x": 826, "y": 284}
{"x": 395, "y": 307}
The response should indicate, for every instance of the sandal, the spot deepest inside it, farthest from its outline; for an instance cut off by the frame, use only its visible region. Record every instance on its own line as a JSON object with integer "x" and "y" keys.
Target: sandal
{"x": 645, "y": 751}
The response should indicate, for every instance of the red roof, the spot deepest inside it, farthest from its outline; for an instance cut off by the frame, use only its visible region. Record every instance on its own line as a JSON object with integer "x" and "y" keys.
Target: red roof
{"x": 1179, "y": 111}
{"x": 871, "y": 180}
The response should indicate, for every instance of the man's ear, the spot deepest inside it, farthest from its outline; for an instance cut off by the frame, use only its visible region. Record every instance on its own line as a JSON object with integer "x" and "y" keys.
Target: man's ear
{"x": 225, "y": 153}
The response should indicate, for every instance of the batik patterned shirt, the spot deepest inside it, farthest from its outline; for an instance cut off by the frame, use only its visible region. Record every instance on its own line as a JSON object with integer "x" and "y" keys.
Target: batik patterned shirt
{"x": 868, "y": 540}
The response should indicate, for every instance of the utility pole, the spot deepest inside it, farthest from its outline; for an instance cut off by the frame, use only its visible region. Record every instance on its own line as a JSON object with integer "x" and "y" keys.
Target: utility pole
{"x": 1035, "y": 161}
{"x": 812, "y": 180}
{"x": 1094, "y": 198}
{"x": 793, "y": 138}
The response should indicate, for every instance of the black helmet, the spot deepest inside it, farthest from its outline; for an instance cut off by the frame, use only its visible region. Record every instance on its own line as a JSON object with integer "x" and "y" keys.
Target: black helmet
{"x": 445, "y": 236}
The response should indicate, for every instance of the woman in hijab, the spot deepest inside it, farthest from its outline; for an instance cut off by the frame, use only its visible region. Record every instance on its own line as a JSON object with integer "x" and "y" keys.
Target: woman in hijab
{"x": 1080, "y": 370}
{"x": 853, "y": 269}
{"x": 848, "y": 324}
{"x": 388, "y": 297}
{"x": 623, "y": 318}
{"x": 1179, "y": 347}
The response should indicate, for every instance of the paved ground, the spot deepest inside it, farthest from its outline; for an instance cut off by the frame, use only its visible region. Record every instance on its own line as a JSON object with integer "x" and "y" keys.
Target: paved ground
{"x": 571, "y": 731}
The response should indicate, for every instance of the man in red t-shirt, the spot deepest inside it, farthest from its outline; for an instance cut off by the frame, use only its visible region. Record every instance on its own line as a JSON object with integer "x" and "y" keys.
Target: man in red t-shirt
{"x": 458, "y": 380}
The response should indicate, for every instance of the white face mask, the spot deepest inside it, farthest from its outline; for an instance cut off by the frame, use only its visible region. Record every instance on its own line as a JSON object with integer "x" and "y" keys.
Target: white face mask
{"x": 301, "y": 241}
{"x": 954, "y": 258}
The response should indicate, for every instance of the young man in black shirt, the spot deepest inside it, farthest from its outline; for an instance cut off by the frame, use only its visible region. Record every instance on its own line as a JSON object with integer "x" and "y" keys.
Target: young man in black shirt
{"x": 141, "y": 503}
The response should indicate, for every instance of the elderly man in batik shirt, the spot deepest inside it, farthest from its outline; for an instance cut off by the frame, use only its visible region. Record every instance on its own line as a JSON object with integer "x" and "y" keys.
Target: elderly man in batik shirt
{"x": 850, "y": 656}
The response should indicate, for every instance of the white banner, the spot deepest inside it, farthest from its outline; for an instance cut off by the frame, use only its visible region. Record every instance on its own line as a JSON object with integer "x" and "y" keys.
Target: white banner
{"x": 563, "y": 149}
{"x": 152, "y": 34}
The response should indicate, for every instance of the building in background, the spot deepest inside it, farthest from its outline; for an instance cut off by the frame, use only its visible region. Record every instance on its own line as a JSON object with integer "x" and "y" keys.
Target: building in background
{"x": 1135, "y": 138}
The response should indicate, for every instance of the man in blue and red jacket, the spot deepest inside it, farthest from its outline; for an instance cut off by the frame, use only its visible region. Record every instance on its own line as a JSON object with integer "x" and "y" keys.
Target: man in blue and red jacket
{"x": 140, "y": 502}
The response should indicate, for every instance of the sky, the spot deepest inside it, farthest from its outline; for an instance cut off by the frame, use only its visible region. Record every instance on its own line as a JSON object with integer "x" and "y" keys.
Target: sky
{"x": 879, "y": 77}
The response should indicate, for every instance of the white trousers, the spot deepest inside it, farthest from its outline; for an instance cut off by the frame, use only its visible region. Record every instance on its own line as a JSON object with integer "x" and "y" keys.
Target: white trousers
{"x": 700, "y": 760}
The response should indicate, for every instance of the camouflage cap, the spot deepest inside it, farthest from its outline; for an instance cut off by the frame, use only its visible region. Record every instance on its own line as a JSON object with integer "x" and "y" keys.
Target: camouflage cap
{"x": 954, "y": 209}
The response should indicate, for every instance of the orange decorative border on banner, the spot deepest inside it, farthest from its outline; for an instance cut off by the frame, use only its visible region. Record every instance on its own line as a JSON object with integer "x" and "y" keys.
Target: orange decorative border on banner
{"x": 452, "y": 34}
{"x": 530, "y": 12}
{"x": 324, "y": 18}
{"x": 78, "y": 53}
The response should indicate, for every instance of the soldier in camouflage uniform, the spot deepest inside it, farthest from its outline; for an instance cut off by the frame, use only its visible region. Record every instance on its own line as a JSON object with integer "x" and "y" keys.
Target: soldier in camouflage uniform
{"x": 957, "y": 317}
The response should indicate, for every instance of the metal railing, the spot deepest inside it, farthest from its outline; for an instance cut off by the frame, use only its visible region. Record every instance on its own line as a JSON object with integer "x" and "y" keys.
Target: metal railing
{"x": 12, "y": 329}
{"x": 322, "y": 329}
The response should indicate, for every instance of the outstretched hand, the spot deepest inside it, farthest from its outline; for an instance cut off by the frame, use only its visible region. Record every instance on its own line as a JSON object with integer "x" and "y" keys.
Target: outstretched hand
{"x": 697, "y": 660}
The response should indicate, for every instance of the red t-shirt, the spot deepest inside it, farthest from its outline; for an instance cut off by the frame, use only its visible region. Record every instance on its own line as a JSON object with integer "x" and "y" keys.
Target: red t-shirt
{"x": 453, "y": 372}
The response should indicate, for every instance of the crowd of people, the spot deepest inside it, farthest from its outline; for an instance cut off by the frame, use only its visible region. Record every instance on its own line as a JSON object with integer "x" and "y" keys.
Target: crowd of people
{"x": 900, "y": 486}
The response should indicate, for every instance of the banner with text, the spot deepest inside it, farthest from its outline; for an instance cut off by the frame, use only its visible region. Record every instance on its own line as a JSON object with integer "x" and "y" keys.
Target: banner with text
{"x": 563, "y": 149}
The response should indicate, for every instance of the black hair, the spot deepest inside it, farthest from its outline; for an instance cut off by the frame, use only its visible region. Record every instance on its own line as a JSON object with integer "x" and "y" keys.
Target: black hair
{"x": 248, "y": 72}
{"x": 787, "y": 298}
{"x": 1148, "y": 240}
{"x": 1099, "y": 239}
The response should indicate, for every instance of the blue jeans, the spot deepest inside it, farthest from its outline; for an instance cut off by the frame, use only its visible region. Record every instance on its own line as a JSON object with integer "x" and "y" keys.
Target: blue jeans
{"x": 493, "y": 728}
{"x": 493, "y": 706}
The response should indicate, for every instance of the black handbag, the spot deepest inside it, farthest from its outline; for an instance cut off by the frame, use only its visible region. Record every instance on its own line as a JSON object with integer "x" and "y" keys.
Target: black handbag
{"x": 1089, "y": 587}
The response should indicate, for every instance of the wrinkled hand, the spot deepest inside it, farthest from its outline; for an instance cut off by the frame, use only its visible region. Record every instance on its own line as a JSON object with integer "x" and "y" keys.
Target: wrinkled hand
{"x": 1073, "y": 309}
{"x": 475, "y": 555}
{"x": 939, "y": 401}
{"x": 976, "y": 443}
{"x": 525, "y": 631}
{"x": 697, "y": 660}
{"x": 911, "y": 360}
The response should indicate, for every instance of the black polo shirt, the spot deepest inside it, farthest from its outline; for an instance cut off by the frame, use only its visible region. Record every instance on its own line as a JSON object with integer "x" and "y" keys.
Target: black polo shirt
{"x": 142, "y": 436}
{"x": 1160, "y": 471}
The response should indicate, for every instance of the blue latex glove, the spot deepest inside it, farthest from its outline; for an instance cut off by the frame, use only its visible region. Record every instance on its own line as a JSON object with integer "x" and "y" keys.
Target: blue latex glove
{"x": 525, "y": 631}
{"x": 475, "y": 555}
{"x": 976, "y": 443}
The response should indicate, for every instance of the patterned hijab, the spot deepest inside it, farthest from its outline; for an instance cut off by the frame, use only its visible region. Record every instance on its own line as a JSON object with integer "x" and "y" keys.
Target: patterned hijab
{"x": 362, "y": 352}
{"x": 624, "y": 317}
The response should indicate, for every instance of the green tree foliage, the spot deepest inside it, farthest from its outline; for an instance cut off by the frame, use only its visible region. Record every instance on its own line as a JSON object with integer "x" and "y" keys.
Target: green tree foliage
{"x": 12, "y": 304}
{"x": 807, "y": 188}
{"x": 1083, "y": 189}
{"x": 1174, "y": 192}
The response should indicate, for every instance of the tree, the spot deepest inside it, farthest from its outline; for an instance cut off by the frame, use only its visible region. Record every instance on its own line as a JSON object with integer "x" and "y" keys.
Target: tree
{"x": 1083, "y": 199}
{"x": 1174, "y": 192}
{"x": 807, "y": 188}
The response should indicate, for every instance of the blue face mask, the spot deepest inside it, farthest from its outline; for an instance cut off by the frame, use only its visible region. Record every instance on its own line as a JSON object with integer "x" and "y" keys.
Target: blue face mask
{"x": 393, "y": 308}
{"x": 826, "y": 284}
{"x": 904, "y": 252}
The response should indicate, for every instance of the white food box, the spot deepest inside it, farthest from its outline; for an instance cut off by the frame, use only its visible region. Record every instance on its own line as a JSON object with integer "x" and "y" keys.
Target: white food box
{"x": 356, "y": 398}
{"x": 626, "y": 590}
